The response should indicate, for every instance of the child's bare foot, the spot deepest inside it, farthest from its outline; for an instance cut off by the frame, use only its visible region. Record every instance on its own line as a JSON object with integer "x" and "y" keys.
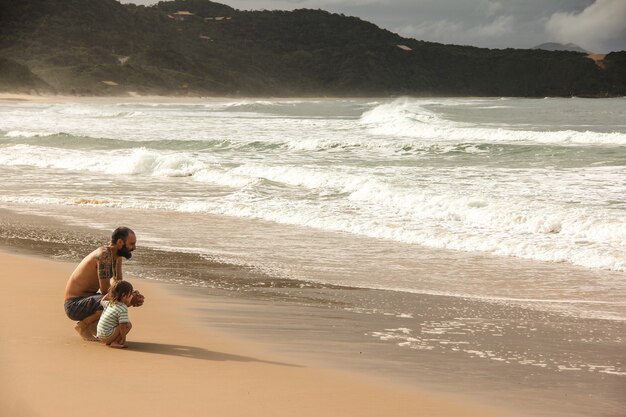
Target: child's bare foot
{"x": 85, "y": 332}
{"x": 118, "y": 345}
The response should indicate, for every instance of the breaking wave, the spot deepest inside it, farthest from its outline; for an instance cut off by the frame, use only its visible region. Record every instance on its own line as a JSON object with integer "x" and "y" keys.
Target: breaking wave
{"x": 410, "y": 119}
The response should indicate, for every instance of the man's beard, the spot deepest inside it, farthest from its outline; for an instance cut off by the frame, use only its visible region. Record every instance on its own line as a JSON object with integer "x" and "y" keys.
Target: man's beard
{"x": 125, "y": 252}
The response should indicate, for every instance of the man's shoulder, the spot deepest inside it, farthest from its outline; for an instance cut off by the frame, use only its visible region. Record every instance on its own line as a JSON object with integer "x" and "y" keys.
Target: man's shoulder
{"x": 102, "y": 254}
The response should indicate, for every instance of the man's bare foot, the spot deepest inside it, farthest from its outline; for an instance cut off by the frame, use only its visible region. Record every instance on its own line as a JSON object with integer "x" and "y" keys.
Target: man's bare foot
{"x": 117, "y": 345}
{"x": 85, "y": 332}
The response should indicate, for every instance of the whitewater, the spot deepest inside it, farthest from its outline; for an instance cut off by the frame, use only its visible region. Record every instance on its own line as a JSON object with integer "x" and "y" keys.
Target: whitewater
{"x": 534, "y": 179}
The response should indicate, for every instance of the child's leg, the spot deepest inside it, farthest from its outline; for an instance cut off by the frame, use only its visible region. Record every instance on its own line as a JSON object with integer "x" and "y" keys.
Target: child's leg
{"x": 120, "y": 343}
{"x": 124, "y": 329}
{"x": 118, "y": 338}
{"x": 114, "y": 340}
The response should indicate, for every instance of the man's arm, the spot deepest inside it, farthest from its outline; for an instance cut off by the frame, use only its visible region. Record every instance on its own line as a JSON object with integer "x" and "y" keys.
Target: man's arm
{"x": 104, "y": 262}
{"x": 118, "y": 269}
{"x": 137, "y": 299}
{"x": 105, "y": 275}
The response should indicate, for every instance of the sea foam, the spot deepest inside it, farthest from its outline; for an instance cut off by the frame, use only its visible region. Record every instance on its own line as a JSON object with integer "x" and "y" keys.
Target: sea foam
{"x": 404, "y": 170}
{"x": 139, "y": 161}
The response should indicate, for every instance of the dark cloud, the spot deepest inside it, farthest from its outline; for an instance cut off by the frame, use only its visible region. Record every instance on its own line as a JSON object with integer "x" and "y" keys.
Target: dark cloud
{"x": 597, "y": 25}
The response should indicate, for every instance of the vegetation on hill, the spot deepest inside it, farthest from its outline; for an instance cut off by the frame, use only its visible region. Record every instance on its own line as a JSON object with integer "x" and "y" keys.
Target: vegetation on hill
{"x": 198, "y": 47}
{"x": 18, "y": 78}
{"x": 554, "y": 46}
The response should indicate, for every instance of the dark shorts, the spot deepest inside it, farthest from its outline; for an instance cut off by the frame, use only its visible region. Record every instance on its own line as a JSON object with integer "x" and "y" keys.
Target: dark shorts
{"x": 78, "y": 308}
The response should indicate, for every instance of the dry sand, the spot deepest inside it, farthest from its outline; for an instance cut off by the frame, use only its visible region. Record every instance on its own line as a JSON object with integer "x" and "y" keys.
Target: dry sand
{"x": 173, "y": 367}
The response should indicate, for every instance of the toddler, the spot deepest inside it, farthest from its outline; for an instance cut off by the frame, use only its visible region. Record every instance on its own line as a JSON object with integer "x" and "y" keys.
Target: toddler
{"x": 114, "y": 325}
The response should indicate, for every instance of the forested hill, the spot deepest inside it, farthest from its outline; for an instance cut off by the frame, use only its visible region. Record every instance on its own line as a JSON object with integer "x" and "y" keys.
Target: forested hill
{"x": 197, "y": 47}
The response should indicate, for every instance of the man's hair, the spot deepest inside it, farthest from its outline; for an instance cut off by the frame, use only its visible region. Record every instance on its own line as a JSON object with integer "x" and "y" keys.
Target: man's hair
{"x": 118, "y": 290}
{"x": 120, "y": 233}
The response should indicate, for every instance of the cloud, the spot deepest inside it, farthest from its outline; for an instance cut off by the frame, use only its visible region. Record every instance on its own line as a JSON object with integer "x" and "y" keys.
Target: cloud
{"x": 493, "y": 7}
{"x": 501, "y": 25}
{"x": 440, "y": 31}
{"x": 602, "y": 21}
{"x": 451, "y": 31}
{"x": 313, "y": 4}
{"x": 593, "y": 24}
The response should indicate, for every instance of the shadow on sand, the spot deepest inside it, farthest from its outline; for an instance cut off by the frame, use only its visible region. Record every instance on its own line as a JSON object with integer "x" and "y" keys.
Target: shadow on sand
{"x": 194, "y": 352}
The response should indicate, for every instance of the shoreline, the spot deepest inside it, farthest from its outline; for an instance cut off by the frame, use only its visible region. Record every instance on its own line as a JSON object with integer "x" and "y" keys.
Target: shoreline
{"x": 137, "y": 98}
{"x": 61, "y": 99}
{"x": 173, "y": 366}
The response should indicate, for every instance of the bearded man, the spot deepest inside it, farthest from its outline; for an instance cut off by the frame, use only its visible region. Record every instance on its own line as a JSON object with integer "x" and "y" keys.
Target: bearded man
{"x": 93, "y": 277}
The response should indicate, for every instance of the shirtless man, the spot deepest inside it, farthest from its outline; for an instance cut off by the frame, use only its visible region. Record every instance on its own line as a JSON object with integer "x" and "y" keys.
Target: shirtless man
{"x": 96, "y": 272}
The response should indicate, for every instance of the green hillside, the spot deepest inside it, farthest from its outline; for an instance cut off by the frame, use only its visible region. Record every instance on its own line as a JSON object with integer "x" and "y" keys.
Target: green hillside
{"x": 197, "y": 47}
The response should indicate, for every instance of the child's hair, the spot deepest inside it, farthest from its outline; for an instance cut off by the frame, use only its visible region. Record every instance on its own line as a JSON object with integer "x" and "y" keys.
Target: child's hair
{"x": 118, "y": 290}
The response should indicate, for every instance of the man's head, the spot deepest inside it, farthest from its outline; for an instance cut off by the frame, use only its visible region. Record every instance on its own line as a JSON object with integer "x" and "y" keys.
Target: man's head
{"x": 124, "y": 240}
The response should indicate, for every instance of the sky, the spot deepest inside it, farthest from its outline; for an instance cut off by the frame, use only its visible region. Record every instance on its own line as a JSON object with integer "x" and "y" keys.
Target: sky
{"x": 598, "y": 26}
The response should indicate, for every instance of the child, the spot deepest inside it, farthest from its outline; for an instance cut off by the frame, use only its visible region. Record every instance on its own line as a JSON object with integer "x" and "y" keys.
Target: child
{"x": 114, "y": 324}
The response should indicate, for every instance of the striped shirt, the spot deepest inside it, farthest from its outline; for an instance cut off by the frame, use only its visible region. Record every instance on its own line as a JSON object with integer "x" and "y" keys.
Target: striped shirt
{"x": 113, "y": 314}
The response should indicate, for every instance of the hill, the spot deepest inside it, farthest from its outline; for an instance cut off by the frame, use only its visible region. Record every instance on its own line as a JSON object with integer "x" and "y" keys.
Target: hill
{"x": 198, "y": 47}
{"x": 554, "y": 46}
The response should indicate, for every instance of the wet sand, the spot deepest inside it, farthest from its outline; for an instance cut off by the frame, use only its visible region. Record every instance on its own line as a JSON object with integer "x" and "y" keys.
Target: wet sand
{"x": 508, "y": 356}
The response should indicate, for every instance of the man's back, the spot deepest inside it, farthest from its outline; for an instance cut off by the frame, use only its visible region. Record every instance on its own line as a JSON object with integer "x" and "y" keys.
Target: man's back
{"x": 84, "y": 280}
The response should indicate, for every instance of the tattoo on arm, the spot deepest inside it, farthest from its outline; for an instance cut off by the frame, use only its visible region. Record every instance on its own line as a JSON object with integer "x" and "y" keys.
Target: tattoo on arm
{"x": 105, "y": 265}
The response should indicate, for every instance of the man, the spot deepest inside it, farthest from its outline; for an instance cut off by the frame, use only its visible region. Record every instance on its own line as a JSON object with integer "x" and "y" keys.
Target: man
{"x": 96, "y": 273}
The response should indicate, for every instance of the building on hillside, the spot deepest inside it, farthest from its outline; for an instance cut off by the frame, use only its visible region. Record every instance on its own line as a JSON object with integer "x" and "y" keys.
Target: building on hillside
{"x": 217, "y": 18}
{"x": 181, "y": 15}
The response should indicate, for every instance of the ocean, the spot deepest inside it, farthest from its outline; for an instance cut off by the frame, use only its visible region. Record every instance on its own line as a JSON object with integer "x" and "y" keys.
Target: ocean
{"x": 365, "y": 206}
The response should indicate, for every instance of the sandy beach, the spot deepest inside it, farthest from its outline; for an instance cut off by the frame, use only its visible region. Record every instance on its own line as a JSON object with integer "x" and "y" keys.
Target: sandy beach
{"x": 173, "y": 365}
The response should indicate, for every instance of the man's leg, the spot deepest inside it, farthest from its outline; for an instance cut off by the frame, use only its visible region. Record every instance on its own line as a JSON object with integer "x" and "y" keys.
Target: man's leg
{"x": 87, "y": 327}
{"x": 87, "y": 311}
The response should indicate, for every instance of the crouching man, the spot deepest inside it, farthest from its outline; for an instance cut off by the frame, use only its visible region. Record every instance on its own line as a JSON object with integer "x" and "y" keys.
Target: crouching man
{"x": 93, "y": 277}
